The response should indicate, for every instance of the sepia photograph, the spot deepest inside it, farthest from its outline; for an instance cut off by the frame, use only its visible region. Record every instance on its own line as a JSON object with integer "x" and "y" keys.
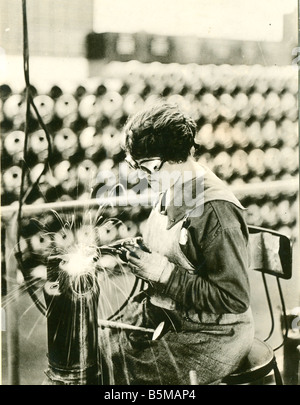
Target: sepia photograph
{"x": 149, "y": 195}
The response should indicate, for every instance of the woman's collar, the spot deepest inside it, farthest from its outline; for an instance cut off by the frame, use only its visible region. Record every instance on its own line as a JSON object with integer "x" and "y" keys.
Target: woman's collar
{"x": 181, "y": 199}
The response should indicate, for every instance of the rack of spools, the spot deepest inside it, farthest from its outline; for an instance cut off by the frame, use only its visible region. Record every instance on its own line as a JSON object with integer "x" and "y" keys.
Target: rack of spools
{"x": 247, "y": 133}
{"x": 247, "y": 130}
{"x": 247, "y": 118}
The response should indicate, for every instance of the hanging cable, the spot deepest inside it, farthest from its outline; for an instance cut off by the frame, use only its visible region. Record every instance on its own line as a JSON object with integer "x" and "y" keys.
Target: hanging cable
{"x": 24, "y": 167}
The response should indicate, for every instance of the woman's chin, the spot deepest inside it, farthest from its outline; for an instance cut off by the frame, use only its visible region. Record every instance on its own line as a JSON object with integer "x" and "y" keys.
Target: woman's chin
{"x": 154, "y": 184}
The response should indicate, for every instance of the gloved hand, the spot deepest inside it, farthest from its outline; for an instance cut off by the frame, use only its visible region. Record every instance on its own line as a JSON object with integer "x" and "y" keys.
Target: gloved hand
{"x": 150, "y": 266}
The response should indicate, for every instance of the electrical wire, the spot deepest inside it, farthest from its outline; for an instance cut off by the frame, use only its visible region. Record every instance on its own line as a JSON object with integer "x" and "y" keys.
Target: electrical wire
{"x": 24, "y": 167}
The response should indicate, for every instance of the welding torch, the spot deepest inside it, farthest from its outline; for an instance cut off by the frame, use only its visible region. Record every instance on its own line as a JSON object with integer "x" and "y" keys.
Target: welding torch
{"x": 122, "y": 246}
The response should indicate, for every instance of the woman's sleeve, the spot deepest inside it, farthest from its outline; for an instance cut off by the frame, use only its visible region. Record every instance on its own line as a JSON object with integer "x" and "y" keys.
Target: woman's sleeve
{"x": 220, "y": 284}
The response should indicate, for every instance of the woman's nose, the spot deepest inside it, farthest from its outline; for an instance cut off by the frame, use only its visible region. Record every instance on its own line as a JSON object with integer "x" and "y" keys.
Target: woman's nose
{"x": 141, "y": 174}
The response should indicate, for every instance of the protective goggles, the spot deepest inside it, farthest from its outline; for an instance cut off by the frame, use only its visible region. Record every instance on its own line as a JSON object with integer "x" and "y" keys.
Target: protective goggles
{"x": 149, "y": 165}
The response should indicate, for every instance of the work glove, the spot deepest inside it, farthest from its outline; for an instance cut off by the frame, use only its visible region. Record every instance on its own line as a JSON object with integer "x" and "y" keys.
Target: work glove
{"x": 150, "y": 266}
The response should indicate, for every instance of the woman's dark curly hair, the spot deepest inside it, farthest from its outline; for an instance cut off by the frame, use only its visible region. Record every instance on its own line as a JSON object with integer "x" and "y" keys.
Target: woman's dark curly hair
{"x": 161, "y": 131}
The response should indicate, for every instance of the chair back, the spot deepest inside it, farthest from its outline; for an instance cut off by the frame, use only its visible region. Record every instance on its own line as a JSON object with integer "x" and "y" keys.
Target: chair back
{"x": 271, "y": 254}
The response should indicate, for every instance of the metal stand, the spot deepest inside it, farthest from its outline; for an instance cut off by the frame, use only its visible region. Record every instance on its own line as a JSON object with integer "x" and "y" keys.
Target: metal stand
{"x": 12, "y": 315}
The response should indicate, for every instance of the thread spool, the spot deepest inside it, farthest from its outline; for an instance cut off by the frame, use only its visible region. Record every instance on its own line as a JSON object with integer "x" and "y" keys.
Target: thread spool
{"x": 205, "y": 137}
{"x": 12, "y": 180}
{"x": 261, "y": 83}
{"x": 90, "y": 141}
{"x": 269, "y": 214}
{"x": 14, "y": 145}
{"x": 172, "y": 73}
{"x": 40, "y": 243}
{"x": 269, "y": 133}
{"x": 86, "y": 234}
{"x": 239, "y": 135}
{"x": 183, "y": 103}
{"x": 273, "y": 161}
{"x": 107, "y": 233}
{"x": 14, "y": 109}
{"x": 45, "y": 107}
{"x": 257, "y": 105}
{"x": 86, "y": 172}
{"x": 66, "y": 143}
{"x": 209, "y": 107}
{"x": 223, "y": 136}
{"x": 253, "y": 132}
{"x": 63, "y": 239}
{"x": 111, "y": 141}
{"x": 246, "y": 79}
{"x": 132, "y": 103}
{"x": 141, "y": 88}
{"x": 276, "y": 79}
{"x": 256, "y": 162}
{"x": 89, "y": 109}
{"x": 38, "y": 144}
{"x": 211, "y": 79}
{"x": 222, "y": 166}
{"x": 194, "y": 84}
{"x": 66, "y": 106}
{"x": 227, "y": 78}
{"x": 133, "y": 70}
{"x": 226, "y": 107}
{"x": 291, "y": 82}
{"x": 45, "y": 181}
{"x": 127, "y": 229}
{"x": 239, "y": 163}
{"x": 63, "y": 171}
{"x": 117, "y": 85}
{"x": 111, "y": 104}
{"x": 288, "y": 104}
{"x": 288, "y": 133}
{"x": 273, "y": 105}
{"x": 285, "y": 213}
{"x": 242, "y": 106}
{"x": 289, "y": 160}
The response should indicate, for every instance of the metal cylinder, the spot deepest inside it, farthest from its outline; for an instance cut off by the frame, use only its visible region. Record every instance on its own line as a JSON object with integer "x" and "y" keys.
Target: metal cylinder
{"x": 73, "y": 350}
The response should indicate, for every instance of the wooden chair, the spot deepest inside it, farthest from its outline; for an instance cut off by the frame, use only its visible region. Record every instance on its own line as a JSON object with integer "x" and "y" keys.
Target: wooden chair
{"x": 271, "y": 253}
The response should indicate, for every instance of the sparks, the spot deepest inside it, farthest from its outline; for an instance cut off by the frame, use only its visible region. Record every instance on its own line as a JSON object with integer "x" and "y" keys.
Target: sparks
{"x": 79, "y": 260}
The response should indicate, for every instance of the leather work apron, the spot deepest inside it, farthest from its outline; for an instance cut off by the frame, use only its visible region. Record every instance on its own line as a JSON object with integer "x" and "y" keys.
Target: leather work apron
{"x": 211, "y": 344}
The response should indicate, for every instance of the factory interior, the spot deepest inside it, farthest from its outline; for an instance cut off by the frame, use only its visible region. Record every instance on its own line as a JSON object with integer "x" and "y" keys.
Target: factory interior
{"x": 94, "y": 63}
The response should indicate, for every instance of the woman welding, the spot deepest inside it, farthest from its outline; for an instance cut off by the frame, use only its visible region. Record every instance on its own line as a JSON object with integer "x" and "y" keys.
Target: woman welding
{"x": 194, "y": 261}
